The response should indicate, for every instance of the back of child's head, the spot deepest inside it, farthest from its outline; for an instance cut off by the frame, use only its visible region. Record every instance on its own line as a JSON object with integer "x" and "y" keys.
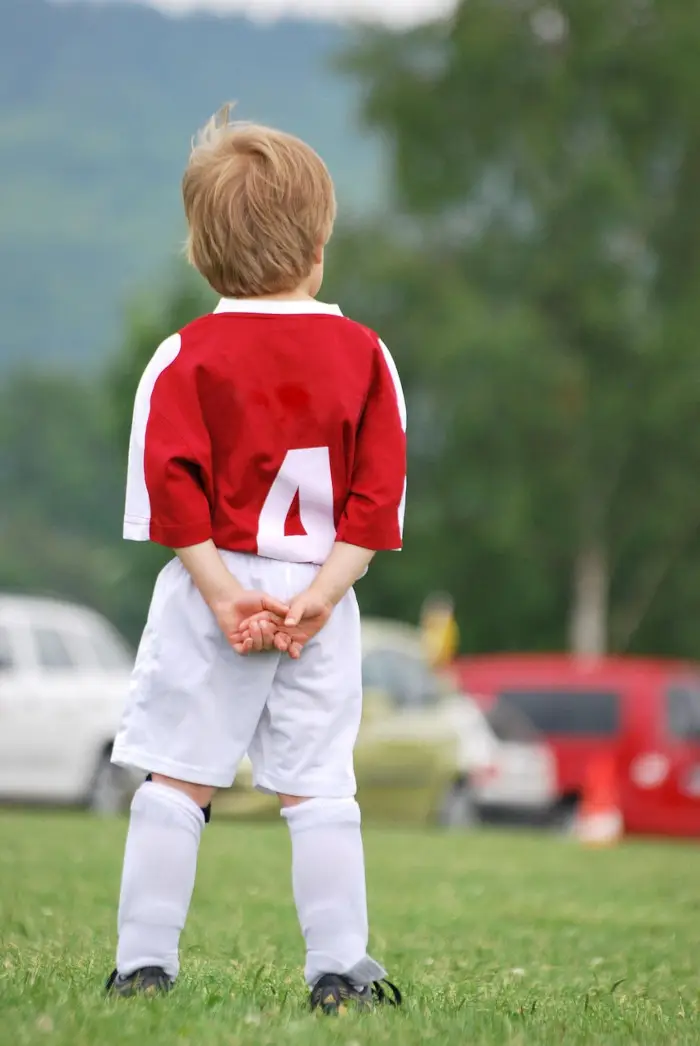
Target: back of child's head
{"x": 259, "y": 203}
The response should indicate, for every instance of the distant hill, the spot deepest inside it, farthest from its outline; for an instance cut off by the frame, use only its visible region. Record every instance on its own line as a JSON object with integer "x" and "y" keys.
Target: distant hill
{"x": 97, "y": 106}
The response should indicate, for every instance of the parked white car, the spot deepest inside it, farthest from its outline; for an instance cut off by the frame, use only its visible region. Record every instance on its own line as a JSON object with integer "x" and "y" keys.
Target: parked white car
{"x": 64, "y": 675}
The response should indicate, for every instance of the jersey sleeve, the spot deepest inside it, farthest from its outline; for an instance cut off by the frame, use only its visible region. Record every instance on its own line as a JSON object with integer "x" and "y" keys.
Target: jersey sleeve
{"x": 169, "y": 457}
{"x": 374, "y": 511}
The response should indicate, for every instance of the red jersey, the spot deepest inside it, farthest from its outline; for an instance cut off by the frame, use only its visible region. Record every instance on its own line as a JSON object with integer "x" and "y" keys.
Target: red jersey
{"x": 271, "y": 427}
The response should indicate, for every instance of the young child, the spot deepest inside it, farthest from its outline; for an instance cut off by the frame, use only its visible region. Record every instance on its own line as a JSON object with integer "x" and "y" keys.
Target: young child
{"x": 268, "y": 451}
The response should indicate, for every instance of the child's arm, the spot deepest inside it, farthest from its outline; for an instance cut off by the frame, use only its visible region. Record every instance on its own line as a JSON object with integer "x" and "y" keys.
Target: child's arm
{"x": 311, "y": 609}
{"x": 207, "y": 569}
{"x": 345, "y": 565}
{"x": 226, "y": 598}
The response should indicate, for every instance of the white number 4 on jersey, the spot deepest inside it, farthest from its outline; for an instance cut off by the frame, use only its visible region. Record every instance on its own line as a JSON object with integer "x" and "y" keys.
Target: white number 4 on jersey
{"x": 307, "y": 473}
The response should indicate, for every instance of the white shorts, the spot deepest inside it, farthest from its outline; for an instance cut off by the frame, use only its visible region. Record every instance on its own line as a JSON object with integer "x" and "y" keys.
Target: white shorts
{"x": 195, "y": 707}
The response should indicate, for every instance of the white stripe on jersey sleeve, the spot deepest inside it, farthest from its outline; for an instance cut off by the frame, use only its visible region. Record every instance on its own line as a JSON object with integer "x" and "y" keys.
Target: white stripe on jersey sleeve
{"x": 137, "y": 513}
{"x": 401, "y": 401}
{"x": 397, "y": 383}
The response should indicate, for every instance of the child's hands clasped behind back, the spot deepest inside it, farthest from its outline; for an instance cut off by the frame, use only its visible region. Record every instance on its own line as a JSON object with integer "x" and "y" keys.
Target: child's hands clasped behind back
{"x": 253, "y": 621}
{"x": 289, "y": 632}
{"x": 234, "y": 606}
{"x": 251, "y": 608}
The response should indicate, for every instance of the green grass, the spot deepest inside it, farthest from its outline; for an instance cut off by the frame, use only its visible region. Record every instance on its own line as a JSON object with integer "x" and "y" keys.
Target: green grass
{"x": 495, "y": 939}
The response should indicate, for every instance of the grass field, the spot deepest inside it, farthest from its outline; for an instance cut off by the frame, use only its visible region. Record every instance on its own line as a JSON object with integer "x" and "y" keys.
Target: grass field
{"x": 495, "y": 939}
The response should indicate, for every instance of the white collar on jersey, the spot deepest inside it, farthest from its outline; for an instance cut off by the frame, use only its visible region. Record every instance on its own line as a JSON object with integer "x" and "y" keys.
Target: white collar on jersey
{"x": 277, "y": 307}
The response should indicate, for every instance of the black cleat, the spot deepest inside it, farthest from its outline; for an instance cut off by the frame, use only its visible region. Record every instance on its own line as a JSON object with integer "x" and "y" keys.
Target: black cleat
{"x": 333, "y": 994}
{"x": 151, "y": 980}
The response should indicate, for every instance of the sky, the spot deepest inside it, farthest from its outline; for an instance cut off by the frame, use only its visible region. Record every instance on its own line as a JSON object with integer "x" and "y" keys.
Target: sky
{"x": 391, "y": 12}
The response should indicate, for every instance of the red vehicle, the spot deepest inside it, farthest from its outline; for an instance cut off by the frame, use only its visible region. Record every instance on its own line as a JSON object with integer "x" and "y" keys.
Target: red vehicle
{"x": 645, "y": 713}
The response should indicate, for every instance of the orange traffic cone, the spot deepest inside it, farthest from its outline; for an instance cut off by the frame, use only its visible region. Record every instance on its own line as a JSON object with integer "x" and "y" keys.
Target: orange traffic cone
{"x": 599, "y": 821}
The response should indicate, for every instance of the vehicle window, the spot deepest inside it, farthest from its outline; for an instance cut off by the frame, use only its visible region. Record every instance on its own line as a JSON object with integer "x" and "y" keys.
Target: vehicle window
{"x": 595, "y": 713}
{"x": 683, "y": 710}
{"x": 52, "y": 649}
{"x": 407, "y": 680}
{"x": 509, "y": 723}
{"x": 7, "y": 659}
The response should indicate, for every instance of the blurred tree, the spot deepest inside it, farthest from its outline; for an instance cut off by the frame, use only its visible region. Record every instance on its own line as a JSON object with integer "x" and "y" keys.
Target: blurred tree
{"x": 468, "y": 529}
{"x": 60, "y": 491}
{"x": 545, "y": 156}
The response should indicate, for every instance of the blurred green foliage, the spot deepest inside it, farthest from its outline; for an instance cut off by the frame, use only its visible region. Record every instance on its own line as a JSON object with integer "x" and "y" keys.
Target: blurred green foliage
{"x": 536, "y": 282}
{"x": 545, "y": 159}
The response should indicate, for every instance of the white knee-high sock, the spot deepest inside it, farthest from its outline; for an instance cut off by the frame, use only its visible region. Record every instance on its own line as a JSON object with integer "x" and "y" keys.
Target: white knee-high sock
{"x": 160, "y": 863}
{"x": 328, "y": 876}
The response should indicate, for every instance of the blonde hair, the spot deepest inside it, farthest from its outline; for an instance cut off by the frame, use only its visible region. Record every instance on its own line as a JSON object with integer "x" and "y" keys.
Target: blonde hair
{"x": 258, "y": 203}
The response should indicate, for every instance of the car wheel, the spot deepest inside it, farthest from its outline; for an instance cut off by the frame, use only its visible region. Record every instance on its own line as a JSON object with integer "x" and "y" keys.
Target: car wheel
{"x": 458, "y": 809}
{"x": 111, "y": 790}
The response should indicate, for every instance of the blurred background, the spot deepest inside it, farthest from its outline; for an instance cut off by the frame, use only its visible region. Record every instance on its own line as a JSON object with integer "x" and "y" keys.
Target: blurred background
{"x": 520, "y": 219}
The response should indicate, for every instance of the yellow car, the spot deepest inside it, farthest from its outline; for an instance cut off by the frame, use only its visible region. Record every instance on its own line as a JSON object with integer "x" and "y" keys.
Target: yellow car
{"x": 418, "y": 742}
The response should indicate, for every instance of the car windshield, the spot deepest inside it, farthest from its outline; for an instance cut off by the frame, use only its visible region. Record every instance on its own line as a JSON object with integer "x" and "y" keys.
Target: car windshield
{"x": 565, "y": 712}
{"x": 510, "y": 724}
{"x": 403, "y": 677}
{"x": 684, "y": 710}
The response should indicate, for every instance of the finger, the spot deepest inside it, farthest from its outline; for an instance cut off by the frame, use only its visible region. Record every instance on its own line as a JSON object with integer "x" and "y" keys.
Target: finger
{"x": 257, "y": 638}
{"x": 243, "y": 648}
{"x": 282, "y": 642}
{"x": 274, "y": 605}
{"x": 295, "y": 635}
{"x": 269, "y": 634}
{"x": 263, "y": 638}
{"x": 240, "y": 632}
{"x": 297, "y": 609}
{"x": 262, "y": 615}
{"x": 295, "y": 650}
{"x": 296, "y": 613}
